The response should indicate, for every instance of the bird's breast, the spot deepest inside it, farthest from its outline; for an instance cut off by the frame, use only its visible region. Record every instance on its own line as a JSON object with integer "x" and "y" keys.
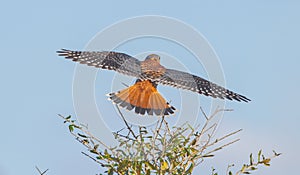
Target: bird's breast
{"x": 152, "y": 69}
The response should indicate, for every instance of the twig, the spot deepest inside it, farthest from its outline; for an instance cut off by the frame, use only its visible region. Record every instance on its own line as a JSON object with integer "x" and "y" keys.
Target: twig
{"x": 167, "y": 126}
{"x": 84, "y": 131}
{"x": 158, "y": 129}
{"x": 220, "y": 147}
{"x": 230, "y": 134}
{"x": 103, "y": 165}
{"x": 222, "y": 138}
{"x": 126, "y": 137}
{"x": 203, "y": 113}
{"x": 208, "y": 119}
{"x": 123, "y": 118}
{"x": 228, "y": 168}
{"x": 92, "y": 158}
{"x": 246, "y": 168}
{"x": 40, "y": 172}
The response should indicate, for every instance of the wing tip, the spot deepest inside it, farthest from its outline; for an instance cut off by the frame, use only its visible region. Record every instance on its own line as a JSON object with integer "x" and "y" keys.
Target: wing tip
{"x": 64, "y": 52}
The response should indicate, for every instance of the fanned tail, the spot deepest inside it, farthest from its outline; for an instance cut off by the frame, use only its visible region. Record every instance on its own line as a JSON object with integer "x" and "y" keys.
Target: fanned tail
{"x": 144, "y": 98}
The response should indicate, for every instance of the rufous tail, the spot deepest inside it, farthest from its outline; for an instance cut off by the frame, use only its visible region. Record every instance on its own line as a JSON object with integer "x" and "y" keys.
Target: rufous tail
{"x": 144, "y": 98}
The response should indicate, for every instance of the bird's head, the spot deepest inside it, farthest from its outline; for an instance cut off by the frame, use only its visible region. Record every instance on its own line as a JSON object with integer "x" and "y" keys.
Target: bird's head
{"x": 153, "y": 57}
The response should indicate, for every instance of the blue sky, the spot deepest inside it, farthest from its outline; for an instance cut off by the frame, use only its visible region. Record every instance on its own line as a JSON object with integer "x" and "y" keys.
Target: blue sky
{"x": 257, "y": 44}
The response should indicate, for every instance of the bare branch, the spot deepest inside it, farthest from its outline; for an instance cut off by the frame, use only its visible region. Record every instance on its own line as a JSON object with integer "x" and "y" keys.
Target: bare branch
{"x": 40, "y": 172}
{"x": 93, "y": 158}
{"x": 128, "y": 127}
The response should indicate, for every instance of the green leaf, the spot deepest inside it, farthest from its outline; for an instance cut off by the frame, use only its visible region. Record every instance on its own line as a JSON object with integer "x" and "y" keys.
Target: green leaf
{"x": 67, "y": 118}
{"x": 209, "y": 155}
{"x": 152, "y": 167}
{"x": 190, "y": 169}
{"x": 251, "y": 159}
{"x": 94, "y": 151}
{"x": 243, "y": 168}
{"x": 96, "y": 147}
{"x": 81, "y": 135}
{"x": 259, "y": 155}
{"x": 253, "y": 168}
{"x": 99, "y": 157}
{"x": 85, "y": 142}
{"x": 71, "y": 128}
{"x": 276, "y": 154}
{"x": 193, "y": 142}
{"x": 77, "y": 126}
{"x": 148, "y": 172}
{"x": 110, "y": 171}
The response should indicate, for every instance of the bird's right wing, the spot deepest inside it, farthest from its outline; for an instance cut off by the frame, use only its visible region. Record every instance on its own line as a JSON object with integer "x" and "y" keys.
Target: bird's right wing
{"x": 197, "y": 84}
{"x": 116, "y": 61}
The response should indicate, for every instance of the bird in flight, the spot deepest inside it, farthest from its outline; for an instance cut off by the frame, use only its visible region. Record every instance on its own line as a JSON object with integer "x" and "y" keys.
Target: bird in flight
{"x": 143, "y": 97}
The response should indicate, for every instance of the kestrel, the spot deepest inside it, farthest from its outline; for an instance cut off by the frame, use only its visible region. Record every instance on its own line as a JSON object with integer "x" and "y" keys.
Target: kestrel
{"x": 143, "y": 96}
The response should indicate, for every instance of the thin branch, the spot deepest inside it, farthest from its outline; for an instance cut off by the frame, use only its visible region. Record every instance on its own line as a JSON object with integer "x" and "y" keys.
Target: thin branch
{"x": 85, "y": 132}
{"x": 103, "y": 165}
{"x": 159, "y": 127}
{"x": 266, "y": 161}
{"x": 126, "y": 137}
{"x": 40, "y": 172}
{"x": 224, "y": 137}
{"x": 156, "y": 133}
{"x": 228, "y": 168}
{"x": 204, "y": 114}
{"x": 92, "y": 158}
{"x": 167, "y": 126}
{"x": 123, "y": 118}
{"x": 208, "y": 119}
{"x": 230, "y": 134}
{"x": 220, "y": 147}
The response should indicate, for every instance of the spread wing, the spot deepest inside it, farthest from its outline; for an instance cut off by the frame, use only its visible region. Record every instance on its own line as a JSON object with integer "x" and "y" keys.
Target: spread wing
{"x": 197, "y": 84}
{"x": 116, "y": 61}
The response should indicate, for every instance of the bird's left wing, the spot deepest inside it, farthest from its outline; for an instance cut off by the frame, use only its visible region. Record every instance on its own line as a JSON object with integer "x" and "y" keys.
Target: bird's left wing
{"x": 197, "y": 84}
{"x": 116, "y": 61}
